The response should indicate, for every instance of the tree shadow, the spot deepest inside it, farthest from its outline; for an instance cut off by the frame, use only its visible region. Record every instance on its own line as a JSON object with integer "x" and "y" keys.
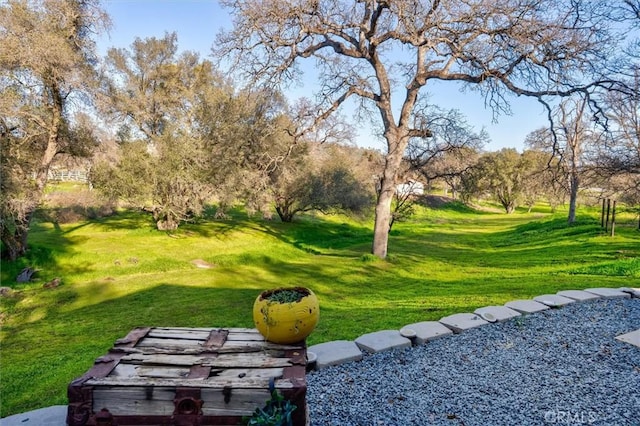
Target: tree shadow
{"x": 321, "y": 237}
{"x": 539, "y": 243}
{"x": 61, "y": 335}
{"x": 45, "y": 245}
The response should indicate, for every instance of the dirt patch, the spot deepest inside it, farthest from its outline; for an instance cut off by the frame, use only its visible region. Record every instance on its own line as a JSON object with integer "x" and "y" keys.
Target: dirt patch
{"x": 72, "y": 207}
{"x": 199, "y": 263}
{"x": 436, "y": 201}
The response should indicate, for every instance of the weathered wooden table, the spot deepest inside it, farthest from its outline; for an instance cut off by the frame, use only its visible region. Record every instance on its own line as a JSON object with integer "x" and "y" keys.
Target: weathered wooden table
{"x": 187, "y": 376}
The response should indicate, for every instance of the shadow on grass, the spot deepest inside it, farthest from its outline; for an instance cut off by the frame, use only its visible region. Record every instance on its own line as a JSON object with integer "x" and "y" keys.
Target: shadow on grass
{"x": 65, "y": 334}
{"x": 45, "y": 246}
{"x": 65, "y": 341}
{"x": 543, "y": 242}
{"x": 41, "y": 356}
{"x": 320, "y": 236}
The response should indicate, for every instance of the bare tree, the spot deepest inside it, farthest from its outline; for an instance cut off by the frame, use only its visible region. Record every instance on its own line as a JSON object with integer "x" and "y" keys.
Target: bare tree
{"x": 385, "y": 53}
{"x": 621, "y": 153}
{"x": 452, "y": 165}
{"x": 572, "y": 135}
{"x": 452, "y": 148}
{"x": 576, "y": 134}
{"x": 617, "y": 159}
{"x": 46, "y": 71}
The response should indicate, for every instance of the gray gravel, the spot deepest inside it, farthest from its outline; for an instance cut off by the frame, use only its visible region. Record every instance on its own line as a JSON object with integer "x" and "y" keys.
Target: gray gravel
{"x": 561, "y": 366}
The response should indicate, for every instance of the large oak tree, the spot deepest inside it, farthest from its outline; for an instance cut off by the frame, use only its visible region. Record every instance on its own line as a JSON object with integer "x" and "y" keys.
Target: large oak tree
{"x": 47, "y": 58}
{"x": 167, "y": 101}
{"x": 386, "y": 52}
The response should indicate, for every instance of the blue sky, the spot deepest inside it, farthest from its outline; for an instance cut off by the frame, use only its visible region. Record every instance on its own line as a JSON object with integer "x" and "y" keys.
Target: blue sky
{"x": 198, "y": 21}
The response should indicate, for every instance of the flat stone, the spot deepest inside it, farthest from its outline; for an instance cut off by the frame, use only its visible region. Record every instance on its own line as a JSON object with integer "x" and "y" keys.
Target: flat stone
{"x": 382, "y": 341}
{"x": 608, "y": 293}
{"x": 553, "y": 300}
{"x": 25, "y": 275}
{"x": 427, "y": 331}
{"x": 634, "y": 292}
{"x": 409, "y": 333}
{"x": 578, "y": 295}
{"x": 526, "y": 306}
{"x": 461, "y": 322}
{"x": 632, "y": 338}
{"x": 311, "y": 357}
{"x": 50, "y": 416}
{"x": 335, "y": 353}
{"x": 498, "y": 313}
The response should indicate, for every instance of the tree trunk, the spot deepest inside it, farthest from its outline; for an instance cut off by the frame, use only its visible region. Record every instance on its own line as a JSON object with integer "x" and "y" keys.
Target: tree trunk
{"x": 385, "y": 196}
{"x": 574, "y": 184}
{"x": 285, "y": 214}
{"x": 53, "y": 146}
{"x": 285, "y": 210}
{"x": 15, "y": 240}
{"x": 12, "y": 248}
{"x": 507, "y": 203}
{"x": 383, "y": 220}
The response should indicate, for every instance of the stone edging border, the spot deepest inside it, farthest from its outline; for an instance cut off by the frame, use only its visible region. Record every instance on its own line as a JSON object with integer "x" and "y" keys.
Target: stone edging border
{"x": 341, "y": 351}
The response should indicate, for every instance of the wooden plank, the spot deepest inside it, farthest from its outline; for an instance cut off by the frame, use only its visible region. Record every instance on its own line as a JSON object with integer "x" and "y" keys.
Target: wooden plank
{"x": 134, "y": 400}
{"x": 231, "y": 330}
{"x": 238, "y": 346}
{"x": 160, "y": 401}
{"x": 242, "y": 402}
{"x": 245, "y": 337}
{"x": 211, "y": 382}
{"x": 256, "y": 360}
{"x": 168, "y": 359}
{"x": 162, "y": 372}
{"x": 178, "y": 334}
{"x": 226, "y": 360}
{"x": 200, "y": 343}
{"x": 205, "y": 329}
{"x": 242, "y": 330}
{"x": 182, "y": 349}
{"x": 132, "y": 371}
{"x": 170, "y": 343}
{"x": 252, "y": 373}
{"x": 124, "y": 370}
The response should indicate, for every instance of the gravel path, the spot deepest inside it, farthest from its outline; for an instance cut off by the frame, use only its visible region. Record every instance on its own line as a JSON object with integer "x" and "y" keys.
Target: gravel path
{"x": 561, "y": 366}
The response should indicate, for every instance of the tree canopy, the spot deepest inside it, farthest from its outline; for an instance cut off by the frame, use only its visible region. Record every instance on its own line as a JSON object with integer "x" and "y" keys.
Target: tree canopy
{"x": 386, "y": 52}
{"x": 47, "y": 59}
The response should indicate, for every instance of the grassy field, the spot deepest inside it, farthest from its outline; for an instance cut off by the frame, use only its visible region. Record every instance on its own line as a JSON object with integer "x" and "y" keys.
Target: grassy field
{"x": 118, "y": 273}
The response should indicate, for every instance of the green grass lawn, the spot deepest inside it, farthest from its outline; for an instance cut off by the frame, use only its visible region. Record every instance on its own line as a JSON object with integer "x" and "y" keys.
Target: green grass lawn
{"x": 119, "y": 272}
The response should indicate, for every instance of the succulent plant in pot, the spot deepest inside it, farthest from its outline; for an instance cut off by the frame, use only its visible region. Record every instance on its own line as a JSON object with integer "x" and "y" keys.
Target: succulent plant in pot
{"x": 287, "y": 314}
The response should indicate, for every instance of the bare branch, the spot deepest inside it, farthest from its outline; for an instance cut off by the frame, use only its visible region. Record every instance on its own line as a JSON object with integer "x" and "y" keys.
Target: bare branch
{"x": 387, "y": 52}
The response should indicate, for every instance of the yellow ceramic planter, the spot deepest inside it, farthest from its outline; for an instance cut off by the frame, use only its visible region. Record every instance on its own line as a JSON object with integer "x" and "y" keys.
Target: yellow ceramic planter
{"x": 288, "y": 322}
